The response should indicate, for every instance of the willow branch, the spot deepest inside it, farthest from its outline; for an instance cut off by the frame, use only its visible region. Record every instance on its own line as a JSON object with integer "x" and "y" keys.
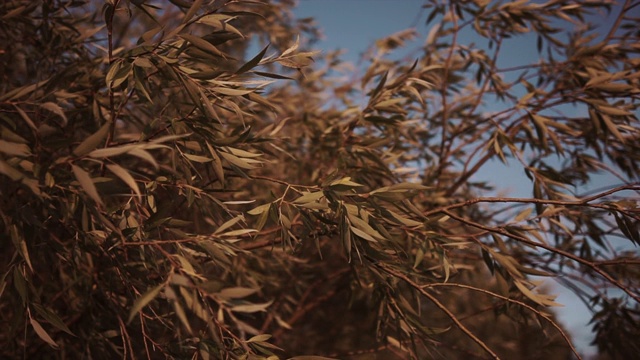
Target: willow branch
{"x": 552, "y": 249}
{"x": 440, "y": 306}
{"x": 616, "y": 24}
{"x": 529, "y": 307}
{"x": 579, "y": 202}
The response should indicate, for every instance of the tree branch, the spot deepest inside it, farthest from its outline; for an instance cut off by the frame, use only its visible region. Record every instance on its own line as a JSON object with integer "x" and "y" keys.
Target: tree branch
{"x": 438, "y": 304}
{"x": 552, "y": 249}
{"x": 529, "y": 307}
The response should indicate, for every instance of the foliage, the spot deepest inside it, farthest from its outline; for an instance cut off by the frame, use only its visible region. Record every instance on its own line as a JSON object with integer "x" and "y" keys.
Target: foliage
{"x": 163, "y": 196}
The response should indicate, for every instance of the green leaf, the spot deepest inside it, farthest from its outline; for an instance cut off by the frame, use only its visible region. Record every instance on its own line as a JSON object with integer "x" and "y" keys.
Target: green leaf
{"x": 380, "y": 86}
{"x": 346, "y": 181}
{"x": 259, "y": 338}
{"x": 253, "y": 62}
{"x": 362, "y": 234}
{"x": 202, "y": 44}
{"x": 309, "y": 197}
{"x": 20, "y": 284}
{"x": 251, "y": 308}
{"x": 197, "y": 158}
{"x": 86, "y": 183}
{"x": 56, "y": 109}
{"x": 10, "y": 171}
{"x": 144, "y": 155}
{"x": 232, "y": 92}
{"x": 217, "y": 164}
{"x": 273, "y": 76}
{"x": 540, "y": 123}
{"x": 42, "y": 333}
{"x": 143, "y": 300}
{"x": 612, "y": 127}
{"x": 124, "y": 175}
{"x": 239, "y": 232}
{"x": 52, "y": 318}
{"x": 192, "y": 11}
{"x": 241, "y": 163}
{"x": 22, "y": 91}
{"x": 26, "y": 118}
{"x": 229, "y": 224}
{"x": 117, "y": 74}
{"x": 16, "y": 149}
{"x": 140, "y": 82}
{"x": 92, "y": 141}
{"x": 364, "y": 226}
{"x": 182, "y": 316}
{"x": 111, "y": 151}
{"x": 292, "y": 48}
{"x": 237, "y": 292}
{"x": 21, "y": 245}
{"x": 610, "y": 110}
{"x": 259, "y": 209}
{"x": 220, "y": 21}
{"x": 523, "y": 214}
{"x": 405, "y": 221}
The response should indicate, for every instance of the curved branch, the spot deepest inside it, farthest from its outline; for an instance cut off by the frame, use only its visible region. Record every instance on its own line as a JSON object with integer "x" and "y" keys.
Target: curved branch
{"x": 580, "y": 202}
{"x": 552, "y": 249}
{"x": 498, "y": 296}
{"x": 439, "y": 305}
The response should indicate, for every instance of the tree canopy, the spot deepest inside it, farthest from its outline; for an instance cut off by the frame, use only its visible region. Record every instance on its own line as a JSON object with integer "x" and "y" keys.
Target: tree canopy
{"x": 192, "y": 179}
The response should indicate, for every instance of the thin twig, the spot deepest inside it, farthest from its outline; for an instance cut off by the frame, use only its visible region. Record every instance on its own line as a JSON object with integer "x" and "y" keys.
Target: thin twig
{"x": 552, "y": 249}
{"x": 438, "y": 304}
{"x": 498, "y": 296}
{"x": 616, "y": 24}
{"x": 579, "y": 202}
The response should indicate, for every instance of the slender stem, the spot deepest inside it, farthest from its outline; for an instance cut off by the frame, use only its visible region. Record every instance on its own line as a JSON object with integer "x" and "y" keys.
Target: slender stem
{"x": 616, "y": 24}
{"x": 112, "y": 108}
{"x": 443, "y": 90}
{"x": 529, "y": 307}
{"x": 552, "y": 249}
{"x": 579, "y": 202}
{"x": 439, "y": 305}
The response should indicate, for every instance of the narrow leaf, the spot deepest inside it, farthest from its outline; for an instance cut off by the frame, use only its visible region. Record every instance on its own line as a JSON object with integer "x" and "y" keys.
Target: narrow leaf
{"x": 86, "y": 183}
{"x": 229, "y": 224}
{"x": 125, "y": 176}
{"x": 16, "y": 149}
{"x": 92, "y": 141}
{"x": 523, "y": 214}
{"x": 143, "y": 300}
{"x": 42, "y": 333}
{"x": 362, "y": 234}
{"x": 202, "y": 44}
{"x": 253, "y": 62}
{"x": 192, "y": 11}
{"x": 237, "y": 292}
{"x": 52, "y": 318}
{"x": 251, "y": 308}
{"x": 56, "y": 109}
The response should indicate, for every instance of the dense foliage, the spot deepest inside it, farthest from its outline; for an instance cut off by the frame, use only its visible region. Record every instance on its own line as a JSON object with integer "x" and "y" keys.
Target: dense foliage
{"x": 189, "y": 179}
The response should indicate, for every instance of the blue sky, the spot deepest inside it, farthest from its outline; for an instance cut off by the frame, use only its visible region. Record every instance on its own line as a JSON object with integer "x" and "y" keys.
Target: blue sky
{"x": 353, "y": 25}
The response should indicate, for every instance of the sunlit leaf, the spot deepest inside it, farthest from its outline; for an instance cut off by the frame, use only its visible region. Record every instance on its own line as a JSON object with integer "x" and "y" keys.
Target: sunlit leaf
{"x": 11, "y": 148}
{"x": 237, "y": 292}
{"x": 52, "y": 318}
{"x": 93, "y": 140}
{"x": 123, "y": 174}
{"x": 253, "y": 62}
{"x": 86, "y": 183}
{"x": 144, "y": 300}
{"x": 42, "y": 333}
{"x": 251, "y": 308}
